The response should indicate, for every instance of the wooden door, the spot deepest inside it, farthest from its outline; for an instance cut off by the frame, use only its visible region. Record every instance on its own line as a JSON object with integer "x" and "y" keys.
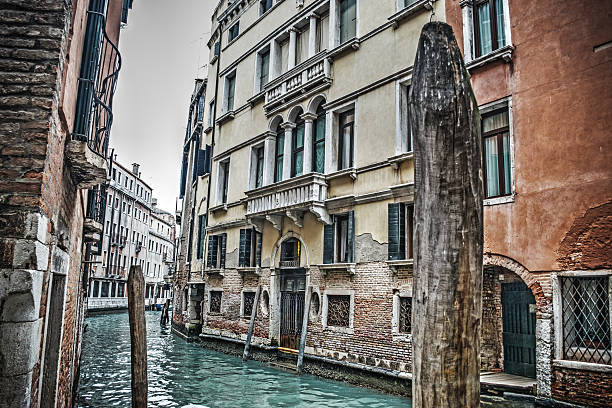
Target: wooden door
{"x": 519, "y": 318}
{"x": 293, "y": 285}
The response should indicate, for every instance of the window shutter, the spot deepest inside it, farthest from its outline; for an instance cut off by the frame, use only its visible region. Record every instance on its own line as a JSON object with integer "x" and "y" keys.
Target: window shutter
{"x": 217, "y": 48}
{"x": 208, "y": 158}
{"x": 351, "y": 236}
{"x": 211, "y": 249}
{"x": 202, "y": 159}
{"x": 242, "y": 258}
{"x": 397, "y": 231}
{"x": 402, "y": 231}
{"x": 183, "y": 175}
{"x": 328, "y": 243}
{"x": 259, "y": 237}
{"x": 201, "y": 235}
{"x": 247, "y": 247}
{"x": 223, "y": 238}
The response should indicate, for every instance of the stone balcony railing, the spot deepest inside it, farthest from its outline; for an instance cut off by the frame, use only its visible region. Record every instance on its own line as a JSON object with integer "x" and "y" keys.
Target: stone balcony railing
{"x": 293, "y": 198}
{"x": 308, "y": 75}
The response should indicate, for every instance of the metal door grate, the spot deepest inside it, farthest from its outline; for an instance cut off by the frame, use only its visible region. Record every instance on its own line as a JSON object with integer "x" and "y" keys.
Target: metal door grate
{"x": 586, "y": 319}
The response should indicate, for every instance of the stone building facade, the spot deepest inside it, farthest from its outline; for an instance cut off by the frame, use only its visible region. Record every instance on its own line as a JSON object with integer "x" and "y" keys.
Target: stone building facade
{"x": 136, "y": 232}
{"x": 308, "y": 180}
{"x": 59, "y": 72}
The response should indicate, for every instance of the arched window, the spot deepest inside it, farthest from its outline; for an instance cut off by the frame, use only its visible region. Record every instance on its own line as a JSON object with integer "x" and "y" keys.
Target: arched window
{"x": 297, "y": 148}
{"x": 278, "y": 155}
{"x": 318, "y": 142}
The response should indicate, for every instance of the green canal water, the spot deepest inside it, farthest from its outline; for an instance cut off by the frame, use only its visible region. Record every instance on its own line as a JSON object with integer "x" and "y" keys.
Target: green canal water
{"x": 181, "y": 374}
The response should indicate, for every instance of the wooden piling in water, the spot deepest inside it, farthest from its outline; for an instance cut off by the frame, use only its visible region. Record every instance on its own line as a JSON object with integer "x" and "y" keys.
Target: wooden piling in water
{"x": 300, "y": 360}
{"x": 165, "y": 313}
{"x": 448, "y": 221}
{"x": 138, "y": 335}
{"x": 247, "y": 344}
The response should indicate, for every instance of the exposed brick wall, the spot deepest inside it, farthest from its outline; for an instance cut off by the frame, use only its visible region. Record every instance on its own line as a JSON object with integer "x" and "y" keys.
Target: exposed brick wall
{"x": 582, "y": 387}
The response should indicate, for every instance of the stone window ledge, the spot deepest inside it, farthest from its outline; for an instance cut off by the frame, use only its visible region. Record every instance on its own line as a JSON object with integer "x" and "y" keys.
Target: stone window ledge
{"x": 396, "y": 160}
{"x": 404, "y": 337}
{"x": 208, "y": 129}
{"x": 225, "y": 117}
{"x": 580, "y": 365}
{"x": 503, "y": 53}
{"x": 350, "y": 172}
{"x": 257, "y": 97}
{"x": 345, "y": 267}
{"x": 412, "y": 9}
{"x": 215, "y": 271}
{"x": 256, "y": 270}
{"x": 344, "y": 48}
{"x": 220, "y": 207}
{"x": 345, "y": 330}
{"x": 498, "y": 200}
{"x": 401, "y": 264}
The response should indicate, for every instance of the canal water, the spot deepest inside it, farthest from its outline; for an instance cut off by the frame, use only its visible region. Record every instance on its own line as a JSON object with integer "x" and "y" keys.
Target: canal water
{"x": 182, "y": 373}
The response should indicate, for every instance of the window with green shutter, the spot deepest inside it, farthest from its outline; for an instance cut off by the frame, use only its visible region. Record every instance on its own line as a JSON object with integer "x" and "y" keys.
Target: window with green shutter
{"x": 400, "y": 229}
{"x": 318, "y": 141}
{"x": 339, "y": 239}
{"x": 348, "y": 20}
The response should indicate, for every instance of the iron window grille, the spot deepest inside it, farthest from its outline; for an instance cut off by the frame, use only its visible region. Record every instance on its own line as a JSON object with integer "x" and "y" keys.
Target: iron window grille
{"x": 96, "y": 210}
{"x": 405, "y": 315}
{"x": 215, "y": 301}
{"x": 586, "y": 319}
{"x": 338, "y": 310}
{"x": 101, "y": 62}
{"x": 249, "y": 301}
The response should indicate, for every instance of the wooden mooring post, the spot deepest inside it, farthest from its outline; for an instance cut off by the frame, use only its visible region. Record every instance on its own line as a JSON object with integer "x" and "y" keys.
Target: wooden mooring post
{"x": 247, "y": 344}
{"x": 165, "y": 314}
{"x": 300, "y": 360}
{"x": 138, "y": 334}
{"x": 448, "y": 237}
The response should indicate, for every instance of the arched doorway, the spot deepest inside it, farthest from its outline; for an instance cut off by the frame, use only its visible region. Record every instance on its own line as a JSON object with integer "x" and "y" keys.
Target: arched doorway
{"x": 292, "y": 291}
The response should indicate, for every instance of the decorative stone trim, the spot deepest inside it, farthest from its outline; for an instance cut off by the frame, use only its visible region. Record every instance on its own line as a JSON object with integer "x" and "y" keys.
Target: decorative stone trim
{"x": 341, "y": 292}
{"x": 504, "y": 53}
{"x": 351, "y": 172}
{"x": 344, "y": 48}
{"x": 225, "y": 117}
{"x": 345, "y": 267}
{"x": 579, "y": 365}
{"x": 402, "y": 264}
{"x": 498, "y": 200}
{"x": 413, "y": 9}
{"x": 395, "y": 161}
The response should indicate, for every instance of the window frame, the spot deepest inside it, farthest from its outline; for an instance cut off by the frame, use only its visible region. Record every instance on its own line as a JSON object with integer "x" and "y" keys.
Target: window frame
{"x": 340, "y": 25}
{"x": 259, "y": 155}
{"x": 244, "y": 291}
{"x": 321, "y": 116}
{"x": 279, "y": 154}
{"x": 404, "y": 142}
{"x": 493, "y": 26}
{"x": 229, "y": 99}
{"x": 324, "y": 310}
{"x": 295, "y": 150}
{"x": 263, "y": 8}
{"x": 341, "y": 128}
{"x": 223, "y": 181}
{"x": 233, "y": 32}
{"x": 210, "y": 294}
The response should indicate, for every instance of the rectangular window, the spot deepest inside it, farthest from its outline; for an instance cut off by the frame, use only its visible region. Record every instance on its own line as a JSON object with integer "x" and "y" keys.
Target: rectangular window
{"x": 338, "y": 310}
{"x": 400, "y": 228}
{"x": 586, "y": 319}
{"x": 248, "y": 300}
{"x": 348, "y": 20}
{"x": 233, "y": 32}
{"x": 489, "y": 27}
{"x": 259, "y": 162}
{"x": 264, "y": 69}
{"x": 264, "y": 5}
{"x": 497, "y": 160}
{"x": 216, "y": 251}
{"x": 211, "y": 113}
{"x": 339, "y": 239}
{"x": 215, "y": 301}
{"x": 230, "y": 88}
{"x": 405, "y": 315}
{"x": 224, "y": 178}
{"x": 318, "y": 148}
{"x": 201, "y": 236}
{"x": 346, "y": 140}
{"x": 249, "y": 250}
{"x": 279, "y": 155}
{"x": 297, "y": 150}
{"x": 200, "y": 108}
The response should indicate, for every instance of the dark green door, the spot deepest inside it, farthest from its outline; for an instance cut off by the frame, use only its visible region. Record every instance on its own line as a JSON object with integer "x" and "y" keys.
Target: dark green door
{"x": 519, "y": 318}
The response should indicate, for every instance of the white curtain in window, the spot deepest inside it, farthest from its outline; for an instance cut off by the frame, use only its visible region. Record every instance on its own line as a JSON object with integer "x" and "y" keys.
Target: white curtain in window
{"x": 491, "y": 164}
{"x": 507, "y": 170}
{"x": 501, "y": 33}
{"x": 484, "y": 21}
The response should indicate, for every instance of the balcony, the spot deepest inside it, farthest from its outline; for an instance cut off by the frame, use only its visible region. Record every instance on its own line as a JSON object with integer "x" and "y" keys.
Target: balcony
{"x": 312, "y": 75}
{"x": 86, "y": 152}
{"x": 293, "y": 198}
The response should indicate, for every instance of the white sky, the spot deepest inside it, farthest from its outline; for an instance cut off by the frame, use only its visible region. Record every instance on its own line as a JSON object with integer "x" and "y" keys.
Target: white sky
{"x": 163, "y": 50}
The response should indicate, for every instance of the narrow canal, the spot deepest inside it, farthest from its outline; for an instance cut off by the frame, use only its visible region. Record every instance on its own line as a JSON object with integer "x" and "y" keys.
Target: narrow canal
{"x": 182, "y": 373}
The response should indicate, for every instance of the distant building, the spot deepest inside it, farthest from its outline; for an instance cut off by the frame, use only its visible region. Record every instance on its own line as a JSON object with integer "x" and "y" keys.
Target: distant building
{"x": 60, "y": 65}
{"x": 136, "y": 232}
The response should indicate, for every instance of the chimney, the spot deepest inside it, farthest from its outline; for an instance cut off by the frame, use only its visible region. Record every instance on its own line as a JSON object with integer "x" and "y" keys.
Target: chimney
{"x": 135, "y": 168}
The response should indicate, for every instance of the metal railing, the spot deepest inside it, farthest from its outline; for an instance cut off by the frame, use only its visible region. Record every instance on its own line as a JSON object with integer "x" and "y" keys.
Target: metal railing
{"x": 96, "y": 211}
{"x": 97, "y": 83}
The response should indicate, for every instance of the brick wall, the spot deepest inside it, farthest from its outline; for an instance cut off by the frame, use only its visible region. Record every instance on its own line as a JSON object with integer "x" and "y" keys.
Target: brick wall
{"x": 582, "y": 387}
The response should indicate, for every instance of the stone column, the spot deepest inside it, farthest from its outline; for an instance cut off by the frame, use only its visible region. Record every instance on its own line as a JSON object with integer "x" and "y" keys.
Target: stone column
{"x": 274, "y": 66}
{"x": 288, "y": 126}
{"x": 308, "y": 137}
{"x": 312, "y": 35}
{"x": 292, "y": 48}
{"x": 269, "y": 158}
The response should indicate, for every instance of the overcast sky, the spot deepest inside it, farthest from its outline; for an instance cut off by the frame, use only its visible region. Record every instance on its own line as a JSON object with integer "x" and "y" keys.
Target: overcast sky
{"x": 163, "y": 50}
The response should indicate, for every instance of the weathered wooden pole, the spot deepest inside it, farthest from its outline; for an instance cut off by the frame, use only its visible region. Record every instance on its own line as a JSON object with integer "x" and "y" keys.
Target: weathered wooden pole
{"x": 165, "y": 313}
{"x": 300, "y": 360}
{"x": 247, "y": 344}
{"x": 448, "y": 237}
{"x": 138, "y": 334}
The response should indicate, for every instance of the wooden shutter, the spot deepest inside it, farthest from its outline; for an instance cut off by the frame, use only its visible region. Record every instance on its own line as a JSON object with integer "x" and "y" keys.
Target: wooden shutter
{"x": 328, "y": 243}
{"x": 223, "y": 239}
{"x": 397, "y": 231}
{"x": 259, "y": 238}
{"x": 242, "y": 249}
{"x": 201, "y": 235}
{"x": 208, "y": 158}
{"x": 247, "y": 247}
{"x": 210, "y": 259}
{"x": 202, "y": 159}
{"x": 351, "y": 236}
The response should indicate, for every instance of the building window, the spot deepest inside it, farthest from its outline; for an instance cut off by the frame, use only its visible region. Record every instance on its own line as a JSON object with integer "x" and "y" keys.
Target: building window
{"x": 338, "y": 310}
{"x": 489, "y": 30}
{"x": 405, "y": 315}
{"x": 291, "y": 252}
{"x": 216, "y": 251}
{"x": 233, "y": 32}
{"x": 346, "y": 140}
{"x": 264, "y": 6}
{"x": 258, "y": 156}
{"x": 279, "y": 154}
{"x": 248, "y": 300}
{"x": 586, "y": 319}
{"x": 318, "y": 141}
{"x": 264, "y": 68}
{"x": 348, "y": 20}
{"x": 201, "y": 236}
{"x": 230, "y": 88}
{"x": 215, "y": 301}
{"x": 400, "y": 228}
{"x": 403, "y": 139}
{"x": 249, "y": 250}
{"x": 297, "y": 149}
{"x": 211, "y": 113}
{"x": 497, "y": 160}
{"x": 223, "y": 181}
{"x": 339, "y": 239}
